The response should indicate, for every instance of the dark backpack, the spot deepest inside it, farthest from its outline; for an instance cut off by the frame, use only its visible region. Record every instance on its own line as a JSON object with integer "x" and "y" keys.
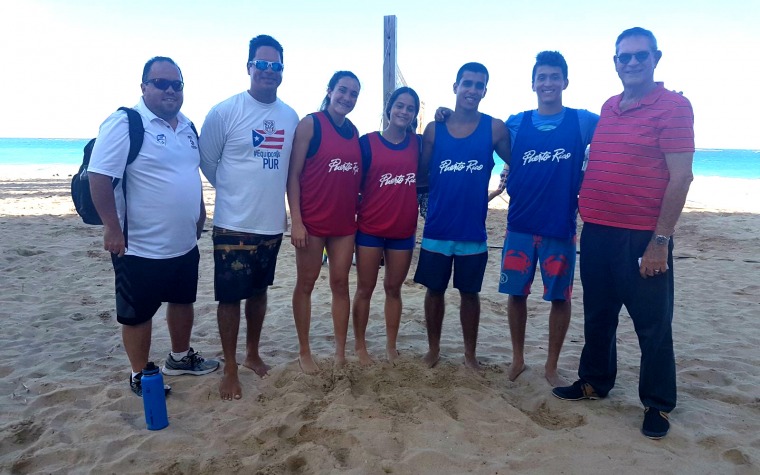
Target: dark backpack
{"x": 80, "y": 183}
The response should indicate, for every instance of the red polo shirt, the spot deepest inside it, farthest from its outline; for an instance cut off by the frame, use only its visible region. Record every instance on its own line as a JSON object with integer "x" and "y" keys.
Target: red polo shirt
{"x": 627, "y": 174}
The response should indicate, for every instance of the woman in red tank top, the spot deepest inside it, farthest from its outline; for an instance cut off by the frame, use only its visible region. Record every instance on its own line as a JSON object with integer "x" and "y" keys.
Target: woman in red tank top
{"x": 387, "y": 218}
{"x": 323, "y": 190}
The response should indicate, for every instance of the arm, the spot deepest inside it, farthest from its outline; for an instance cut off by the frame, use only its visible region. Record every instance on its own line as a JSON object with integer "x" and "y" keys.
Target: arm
{"x": 423, "y": 168}
{"x": 304, "y": 132}
{"x": 109, "y": 160}
{"x": 101, "y": 188}
{"x": 211, "y": 145}
{"x": 442, "y": 114}
{"x": 501, "y": 142}
{"x": 656, "y": 255}
{"x": 502, "y": 184}
{"x": 201, "y": 218}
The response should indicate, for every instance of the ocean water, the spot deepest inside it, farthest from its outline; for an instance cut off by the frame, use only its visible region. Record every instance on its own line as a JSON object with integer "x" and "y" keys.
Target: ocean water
{"x": 726, "y": 163}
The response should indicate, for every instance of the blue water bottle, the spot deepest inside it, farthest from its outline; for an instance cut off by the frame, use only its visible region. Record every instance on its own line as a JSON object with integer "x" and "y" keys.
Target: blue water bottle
{"x": 154, "y": 398}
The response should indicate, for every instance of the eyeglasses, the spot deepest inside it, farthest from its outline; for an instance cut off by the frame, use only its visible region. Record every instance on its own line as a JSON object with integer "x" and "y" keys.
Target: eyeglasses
{"x": 262, "y": 65}
{"x": 626, "y": 58}
{"x": 164, "y": 84}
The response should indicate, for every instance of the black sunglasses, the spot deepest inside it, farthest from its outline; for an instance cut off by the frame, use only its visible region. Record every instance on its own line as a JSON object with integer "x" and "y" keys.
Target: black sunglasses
{"x": 164, "y": 84}
{"x": 626, "y": 58}
{"x": 262, "y": 65}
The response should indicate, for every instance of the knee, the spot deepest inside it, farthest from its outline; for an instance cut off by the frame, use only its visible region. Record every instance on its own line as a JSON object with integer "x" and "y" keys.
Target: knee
{"x": 305, "y": 284}
{"x": 364, "y": 292}
{"x": 434, "y": 294}
{"x": 339, "y": 285}
{"x": 469, "y": 297}
{"x": 392, "y": 291}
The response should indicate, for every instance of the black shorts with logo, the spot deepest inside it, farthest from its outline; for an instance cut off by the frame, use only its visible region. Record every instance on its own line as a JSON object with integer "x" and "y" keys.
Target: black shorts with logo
{"x": 142, "y": 284}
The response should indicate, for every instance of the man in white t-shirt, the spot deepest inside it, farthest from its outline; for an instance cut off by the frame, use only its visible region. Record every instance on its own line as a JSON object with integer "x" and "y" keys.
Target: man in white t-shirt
{"x": 152, "y": 231}
{"x": 245, "y": 153}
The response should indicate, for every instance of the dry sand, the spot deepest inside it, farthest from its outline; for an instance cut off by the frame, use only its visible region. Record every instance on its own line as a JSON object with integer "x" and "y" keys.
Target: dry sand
{"x": 65, "y": 405}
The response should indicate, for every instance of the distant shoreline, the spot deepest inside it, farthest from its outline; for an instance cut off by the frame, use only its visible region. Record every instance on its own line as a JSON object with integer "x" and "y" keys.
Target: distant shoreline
{"x": 707, "y": 193}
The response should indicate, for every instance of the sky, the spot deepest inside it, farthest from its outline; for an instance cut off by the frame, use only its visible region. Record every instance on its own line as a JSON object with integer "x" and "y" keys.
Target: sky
{"x": 67, "y": 64}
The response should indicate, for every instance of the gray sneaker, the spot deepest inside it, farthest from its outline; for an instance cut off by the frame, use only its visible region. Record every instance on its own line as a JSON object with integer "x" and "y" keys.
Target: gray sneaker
{"x": 192, "y": 363}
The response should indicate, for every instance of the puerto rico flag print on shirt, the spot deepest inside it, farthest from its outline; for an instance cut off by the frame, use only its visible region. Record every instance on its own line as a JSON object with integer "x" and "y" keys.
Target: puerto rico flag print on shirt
{"x": 268, "y": 137}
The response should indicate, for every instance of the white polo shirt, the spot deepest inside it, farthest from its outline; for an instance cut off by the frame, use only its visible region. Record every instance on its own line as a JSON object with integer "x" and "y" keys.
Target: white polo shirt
{"x": 163, "y": 183}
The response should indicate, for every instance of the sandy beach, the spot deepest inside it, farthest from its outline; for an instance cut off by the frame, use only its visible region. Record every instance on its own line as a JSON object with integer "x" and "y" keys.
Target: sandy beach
{"x": 65, "y": 406}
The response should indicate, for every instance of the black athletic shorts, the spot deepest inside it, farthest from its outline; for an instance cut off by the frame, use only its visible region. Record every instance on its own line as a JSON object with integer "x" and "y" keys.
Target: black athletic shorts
{"x": 142, "y": 284}
{"x": 434, "y": 271}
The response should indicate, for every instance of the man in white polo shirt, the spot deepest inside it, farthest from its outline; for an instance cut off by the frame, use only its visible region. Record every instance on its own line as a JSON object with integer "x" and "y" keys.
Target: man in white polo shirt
{"x": 152, "y": 232}
{"x": 245, "y": 155}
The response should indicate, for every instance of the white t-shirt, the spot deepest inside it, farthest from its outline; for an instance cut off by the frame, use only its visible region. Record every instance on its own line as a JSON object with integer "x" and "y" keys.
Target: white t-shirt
{"x": 163, "y": 183}
{"x": 245, "y": 154}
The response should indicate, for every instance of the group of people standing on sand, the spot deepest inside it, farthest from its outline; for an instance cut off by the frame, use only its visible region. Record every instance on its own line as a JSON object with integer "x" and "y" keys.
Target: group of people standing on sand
{"x": 358, "y": 195}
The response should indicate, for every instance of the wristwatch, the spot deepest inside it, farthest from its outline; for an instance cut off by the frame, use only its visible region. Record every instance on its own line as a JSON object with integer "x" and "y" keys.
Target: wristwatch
{"x": 661, "y": 240}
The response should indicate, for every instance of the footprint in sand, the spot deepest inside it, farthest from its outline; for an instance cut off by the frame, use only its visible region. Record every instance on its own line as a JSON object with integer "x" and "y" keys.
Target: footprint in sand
{"x": 549, "y": 419}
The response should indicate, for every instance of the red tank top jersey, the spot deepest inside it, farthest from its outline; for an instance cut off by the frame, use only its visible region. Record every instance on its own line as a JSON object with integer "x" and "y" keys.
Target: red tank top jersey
{"x": 389, "y": 197}
{"x": 330, "y": 183}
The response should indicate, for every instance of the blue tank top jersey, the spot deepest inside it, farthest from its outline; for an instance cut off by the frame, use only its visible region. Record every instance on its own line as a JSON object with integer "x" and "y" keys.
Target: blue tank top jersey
{"x": 460, "y": 169}
{"x": 544, "y": 177}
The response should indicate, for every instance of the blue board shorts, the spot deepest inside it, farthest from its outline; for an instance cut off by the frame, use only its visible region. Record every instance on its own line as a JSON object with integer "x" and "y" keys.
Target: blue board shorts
{"x": 524, "y": 252}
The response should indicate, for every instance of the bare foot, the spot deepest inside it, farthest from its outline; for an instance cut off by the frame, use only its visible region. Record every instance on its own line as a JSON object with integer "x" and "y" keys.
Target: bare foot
{"x": 392, "y": 354}
{"x": 257, "y": 365}
{"x": 472, "y": 363}
{"x": 307, "y": 364}
{"x": 431, "y": 358}
{"x": 555, "y": 380}
{"x": 340, "y": 361}
{"x": 516, "y": 369}
{"x": 364, "y": 358}
{"x": 229, "y": 386}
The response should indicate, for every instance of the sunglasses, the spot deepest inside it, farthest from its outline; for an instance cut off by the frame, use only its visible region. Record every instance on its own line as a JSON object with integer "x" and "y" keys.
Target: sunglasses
{"x": 262, "y": 65}
{"x": 626, "y": 58}
{"x": 164, "y": 84}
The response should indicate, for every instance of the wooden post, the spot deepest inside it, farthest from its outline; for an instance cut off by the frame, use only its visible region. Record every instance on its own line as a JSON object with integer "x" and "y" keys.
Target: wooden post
{"x": 389, "y": 61}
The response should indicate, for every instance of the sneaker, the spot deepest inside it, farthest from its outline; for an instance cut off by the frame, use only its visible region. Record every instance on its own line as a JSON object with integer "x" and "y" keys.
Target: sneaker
{"x": 656, "y": 424}
{"x": 192, "y": 363}
{"x": 577, "y": 391}
{"x": 135, "y": 384}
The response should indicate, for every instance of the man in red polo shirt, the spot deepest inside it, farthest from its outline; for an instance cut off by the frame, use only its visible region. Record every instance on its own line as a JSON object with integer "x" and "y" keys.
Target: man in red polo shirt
{"x": 635, "y": 187}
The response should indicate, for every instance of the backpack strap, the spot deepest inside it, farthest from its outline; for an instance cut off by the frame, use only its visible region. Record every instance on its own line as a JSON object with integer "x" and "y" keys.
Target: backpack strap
{"x": 136, "y": 133}
{"x": 192, "y": 126}
{"x": 136, "y": 136}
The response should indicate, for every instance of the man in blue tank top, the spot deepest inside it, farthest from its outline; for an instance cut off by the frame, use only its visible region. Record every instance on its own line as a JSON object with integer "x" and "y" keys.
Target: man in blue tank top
{"x": 456, "y": 163}
{"x": 548, "y": 146}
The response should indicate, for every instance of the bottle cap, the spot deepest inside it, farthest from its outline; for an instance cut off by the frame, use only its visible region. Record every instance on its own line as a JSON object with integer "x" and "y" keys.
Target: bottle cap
{"x": 150, "y": 368}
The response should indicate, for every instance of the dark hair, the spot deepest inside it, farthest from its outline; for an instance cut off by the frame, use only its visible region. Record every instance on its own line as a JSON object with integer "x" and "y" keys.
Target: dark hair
{"x": 263, "y": 40}
{"x": 334, "y": 82}
{"x": 472, "y": 67}
{"x": 392, "y": 100}
{"x": 637, "y": 31}
{"x": 549, "y": 58}
{"x": 158, "y": 59}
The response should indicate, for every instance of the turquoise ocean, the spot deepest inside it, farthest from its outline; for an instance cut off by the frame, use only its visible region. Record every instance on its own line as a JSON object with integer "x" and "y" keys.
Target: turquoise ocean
{"x": 726, "y": 163}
